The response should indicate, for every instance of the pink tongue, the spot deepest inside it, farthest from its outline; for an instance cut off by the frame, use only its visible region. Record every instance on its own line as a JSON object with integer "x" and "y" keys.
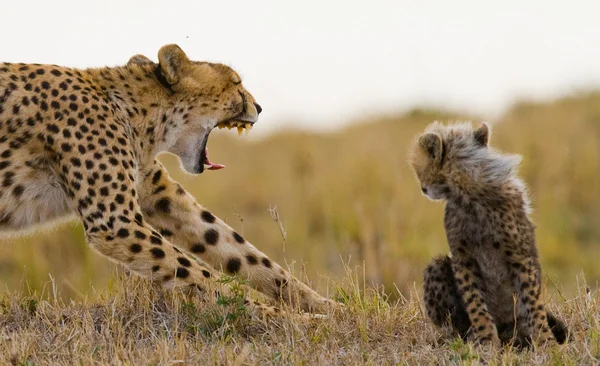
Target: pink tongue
{"x": 210, "y": 165}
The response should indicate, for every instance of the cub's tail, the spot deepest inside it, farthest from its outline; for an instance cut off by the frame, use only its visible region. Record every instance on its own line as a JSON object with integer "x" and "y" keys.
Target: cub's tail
{"x": 558, "y": 328}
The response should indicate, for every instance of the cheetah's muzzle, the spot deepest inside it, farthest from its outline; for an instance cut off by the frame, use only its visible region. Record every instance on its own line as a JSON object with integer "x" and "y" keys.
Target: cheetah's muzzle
{"x": 244, "y": 121}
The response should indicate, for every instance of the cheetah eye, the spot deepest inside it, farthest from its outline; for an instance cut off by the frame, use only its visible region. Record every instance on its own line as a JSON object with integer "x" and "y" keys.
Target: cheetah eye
{"x": 237, "y": 82}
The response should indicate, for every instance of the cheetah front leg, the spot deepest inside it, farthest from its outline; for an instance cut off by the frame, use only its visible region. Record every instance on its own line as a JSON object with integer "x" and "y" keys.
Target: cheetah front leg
{"x": 106, "y": 202}
{"x": 176, "y": 214}
{"x": 527, "y": 280}
{"x": 471, "y": 287}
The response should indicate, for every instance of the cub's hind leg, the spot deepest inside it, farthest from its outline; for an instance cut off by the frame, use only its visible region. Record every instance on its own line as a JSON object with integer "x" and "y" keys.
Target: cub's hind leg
{"x": 442, "y": 299}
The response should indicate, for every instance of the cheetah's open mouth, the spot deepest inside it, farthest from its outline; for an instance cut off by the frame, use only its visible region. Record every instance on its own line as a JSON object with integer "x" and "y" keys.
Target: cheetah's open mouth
{"x": 205, "y": 162}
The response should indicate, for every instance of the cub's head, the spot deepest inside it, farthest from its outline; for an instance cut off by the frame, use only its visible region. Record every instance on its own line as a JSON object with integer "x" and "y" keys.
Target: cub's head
{"x": 208, "y": 95}
{"x": 451, "y": 159}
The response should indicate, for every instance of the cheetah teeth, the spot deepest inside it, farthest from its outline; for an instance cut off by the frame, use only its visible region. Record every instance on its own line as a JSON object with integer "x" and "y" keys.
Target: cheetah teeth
{"x": 241, "y": 126}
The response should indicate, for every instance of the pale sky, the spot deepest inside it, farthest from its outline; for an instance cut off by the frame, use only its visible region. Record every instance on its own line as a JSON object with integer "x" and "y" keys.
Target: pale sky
{"x": 322, "y": 64}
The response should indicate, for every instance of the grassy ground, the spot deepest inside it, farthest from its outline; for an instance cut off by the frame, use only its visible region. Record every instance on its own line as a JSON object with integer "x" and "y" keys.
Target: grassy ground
{"x": 345, "y": 199}
{"x": 350, "y": 198}
{"x": 137, "y": 324}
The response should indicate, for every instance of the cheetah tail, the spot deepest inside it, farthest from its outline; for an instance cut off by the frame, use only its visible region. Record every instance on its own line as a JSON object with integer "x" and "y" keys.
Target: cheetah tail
{"x": 558, "y": 327}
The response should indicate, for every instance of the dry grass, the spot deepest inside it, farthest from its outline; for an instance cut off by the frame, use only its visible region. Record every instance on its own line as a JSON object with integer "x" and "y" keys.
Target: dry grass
{"x": 343, "y": 200}
{"x": 351, "y": 194}
{"x": 135, "y": 323}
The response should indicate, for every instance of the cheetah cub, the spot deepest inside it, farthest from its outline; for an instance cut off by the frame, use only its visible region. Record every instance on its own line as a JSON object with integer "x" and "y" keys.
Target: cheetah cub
{"x": 493, "y": 277}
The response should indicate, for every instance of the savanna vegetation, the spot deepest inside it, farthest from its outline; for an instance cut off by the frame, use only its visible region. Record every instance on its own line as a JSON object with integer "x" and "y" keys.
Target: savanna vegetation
{"x": 345, "y": 213}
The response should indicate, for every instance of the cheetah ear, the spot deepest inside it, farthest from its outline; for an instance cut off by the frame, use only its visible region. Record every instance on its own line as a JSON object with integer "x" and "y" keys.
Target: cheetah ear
{"x": 431, "y": 143}
{"x": 172, "y": 60}
{"x": 482, "y": 134}
{"x": 139, "y": 60}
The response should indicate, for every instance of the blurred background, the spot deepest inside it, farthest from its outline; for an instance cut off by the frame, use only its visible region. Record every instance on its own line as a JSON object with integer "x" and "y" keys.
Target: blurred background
{"x": 345, "y": 87}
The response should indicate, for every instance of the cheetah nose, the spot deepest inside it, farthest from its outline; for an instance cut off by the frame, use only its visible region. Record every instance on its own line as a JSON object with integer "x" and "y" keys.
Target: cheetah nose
{"x": 258, "y": 108}
{"x": 424, "y": 190}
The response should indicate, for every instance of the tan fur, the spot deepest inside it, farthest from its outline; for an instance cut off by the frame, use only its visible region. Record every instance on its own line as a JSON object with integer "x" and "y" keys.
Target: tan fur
{"x": 84, "y": 142}
{"x": 491, "y": 238}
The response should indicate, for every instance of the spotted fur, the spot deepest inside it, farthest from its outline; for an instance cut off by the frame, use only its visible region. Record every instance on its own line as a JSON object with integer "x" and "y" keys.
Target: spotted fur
{"x": 494, "y": 264}
{"x": 84, "y": 142}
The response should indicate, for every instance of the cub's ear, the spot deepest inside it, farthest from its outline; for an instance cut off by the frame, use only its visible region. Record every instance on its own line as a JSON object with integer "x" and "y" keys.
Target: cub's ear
{"x": 482, "y": 135}
{"x": 431, "y": 144}
{"x": 172, "y": 61}
{"x": 139, "y": 60}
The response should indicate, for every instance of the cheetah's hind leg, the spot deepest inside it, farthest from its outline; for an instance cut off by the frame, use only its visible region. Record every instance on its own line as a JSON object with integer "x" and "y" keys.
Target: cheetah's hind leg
{"x": 442, "y": 300}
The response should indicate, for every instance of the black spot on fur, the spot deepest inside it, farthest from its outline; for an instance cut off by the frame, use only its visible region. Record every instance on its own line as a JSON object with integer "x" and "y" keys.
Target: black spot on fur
{"x": 182, "y": 272}
{"x": 233, "y": 265}
{"x": 266, "y": 262}
{"x": 155, "y": 240}
{"x": 198, "y": 248}
{"x": 163, "y": 205}
{"x": 238, "y": 238}
{"x": 165, "y": 232}
{"x": 251, "y": 259}
{"x": 208, "y": 217}
{"x": 135, "y": 248}
{"x": 184, "y": 261}
{"x": 52, "y": 128}
{"x": 211, "y": 236}
{"x": 156, "y": 177}
{"x": 18, "y": 191}
{"x": 157, "y": 253}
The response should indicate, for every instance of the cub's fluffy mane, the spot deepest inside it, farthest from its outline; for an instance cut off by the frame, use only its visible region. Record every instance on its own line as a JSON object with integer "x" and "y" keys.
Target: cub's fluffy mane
{"x": 483, "y": 166}
{"x": 470, "y": 168}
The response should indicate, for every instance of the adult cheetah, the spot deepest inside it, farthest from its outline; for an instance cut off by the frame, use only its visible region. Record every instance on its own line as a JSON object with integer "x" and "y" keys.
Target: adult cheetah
{"x": 84, "y": 142}
{"x": 493, "y": 277}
